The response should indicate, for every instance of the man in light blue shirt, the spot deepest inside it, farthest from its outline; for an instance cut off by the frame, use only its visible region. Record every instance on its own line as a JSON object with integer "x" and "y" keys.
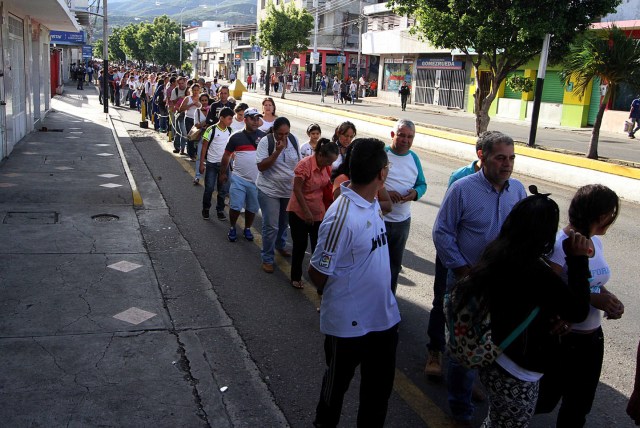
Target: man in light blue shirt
{"x": 470, "y": 217}
{"x": 435, "y": 331}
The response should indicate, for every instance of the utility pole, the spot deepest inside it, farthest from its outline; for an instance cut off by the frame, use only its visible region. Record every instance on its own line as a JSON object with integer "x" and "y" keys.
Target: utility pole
{"x": 315, "y": 47}
{"x": 542, "y": 69}
{"x": 105, "y": 58}
{"x": 267, "y": 76}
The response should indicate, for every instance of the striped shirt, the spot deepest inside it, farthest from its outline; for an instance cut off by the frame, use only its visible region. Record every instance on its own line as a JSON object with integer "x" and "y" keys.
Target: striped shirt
{"x": 352, "y": 251}
{"x": 471, "y": 216}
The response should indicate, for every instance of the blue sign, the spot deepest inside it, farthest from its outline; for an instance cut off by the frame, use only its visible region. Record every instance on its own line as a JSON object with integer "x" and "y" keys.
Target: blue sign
{"x": 255, "y": 48}
{"x": 87, "y": 51}
{"x": 67, "y": 38}
{"x": 441, "y": 63}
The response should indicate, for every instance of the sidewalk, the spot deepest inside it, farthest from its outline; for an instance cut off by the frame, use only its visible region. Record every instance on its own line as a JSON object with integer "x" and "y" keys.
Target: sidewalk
{"x": 611, "y": 146}
{"x": 100, "y": 324}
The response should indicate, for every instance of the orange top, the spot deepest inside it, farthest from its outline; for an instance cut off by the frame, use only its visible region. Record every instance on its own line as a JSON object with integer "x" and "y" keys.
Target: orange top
{"x": 314, "y": 181}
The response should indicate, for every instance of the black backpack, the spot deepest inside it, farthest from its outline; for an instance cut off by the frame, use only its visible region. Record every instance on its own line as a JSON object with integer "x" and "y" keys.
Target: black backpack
{"x": 272, "y": 144}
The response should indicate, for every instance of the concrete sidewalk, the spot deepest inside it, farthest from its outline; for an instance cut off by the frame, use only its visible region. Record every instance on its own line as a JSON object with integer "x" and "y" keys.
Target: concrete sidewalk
{"x": 108, "y": 318}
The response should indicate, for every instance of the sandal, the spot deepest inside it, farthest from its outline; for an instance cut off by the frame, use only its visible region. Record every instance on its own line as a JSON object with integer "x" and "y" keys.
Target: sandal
{"x": 297, "y": 284}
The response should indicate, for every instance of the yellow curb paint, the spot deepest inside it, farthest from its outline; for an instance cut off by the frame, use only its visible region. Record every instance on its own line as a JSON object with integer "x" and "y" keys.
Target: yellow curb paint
{"x": 561, "y": 158}
{"x": 135, "y": 193}
{"x": 428, "y": 411}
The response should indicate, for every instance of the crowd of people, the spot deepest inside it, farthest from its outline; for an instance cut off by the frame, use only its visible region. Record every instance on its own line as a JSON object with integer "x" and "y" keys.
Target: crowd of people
{"x": 350, "y": 199}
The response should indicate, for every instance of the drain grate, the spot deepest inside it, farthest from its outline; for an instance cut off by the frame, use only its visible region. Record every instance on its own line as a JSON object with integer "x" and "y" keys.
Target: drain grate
{"x": 103, "y": 218}
{"x": 45, "y": 129}
{"x": 18, "y": 217}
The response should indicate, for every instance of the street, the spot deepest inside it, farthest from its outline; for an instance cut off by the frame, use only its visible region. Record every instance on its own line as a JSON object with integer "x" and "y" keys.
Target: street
{"x": 228, "y": 345}
{"x": 280, "y": 326}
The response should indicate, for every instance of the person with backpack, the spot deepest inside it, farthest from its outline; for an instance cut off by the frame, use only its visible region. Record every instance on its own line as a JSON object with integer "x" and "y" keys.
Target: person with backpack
{"x": 513, "y": 286}
{"x": 214, "y": 142}
{"x": 159, "y": 100}
{"x": 470, "y": 217}
{"x": 277, "y": 155}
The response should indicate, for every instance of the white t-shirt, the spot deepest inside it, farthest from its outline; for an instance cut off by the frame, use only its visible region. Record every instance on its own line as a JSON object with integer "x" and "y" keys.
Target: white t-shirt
{"x": 306, "y": 150}
{"x": 600, "y": 274}
{"x": 266, "y": 125}
{"x": 218, "y": 139}
{"x": 352, "y": 251}
{"x": 277, "y": 181}
{"x": 192, "y": 106}
{"x": 401, "y": 178}
{"x": 237, "y": 125}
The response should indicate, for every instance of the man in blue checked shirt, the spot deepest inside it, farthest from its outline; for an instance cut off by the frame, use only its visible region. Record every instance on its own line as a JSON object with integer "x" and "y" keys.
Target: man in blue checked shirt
{"x": 470, "y": 217}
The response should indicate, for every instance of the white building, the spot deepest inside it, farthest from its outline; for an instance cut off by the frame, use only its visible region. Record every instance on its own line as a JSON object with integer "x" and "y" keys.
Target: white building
{"x": 25, "y": 82}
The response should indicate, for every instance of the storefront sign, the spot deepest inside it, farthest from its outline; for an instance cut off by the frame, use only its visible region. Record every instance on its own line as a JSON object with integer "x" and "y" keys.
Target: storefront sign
{"x": 398, "y": 61}
{"x": 439, "y": 63}
{"x": 67, "y": 38}
{"x": 87, "y": 51}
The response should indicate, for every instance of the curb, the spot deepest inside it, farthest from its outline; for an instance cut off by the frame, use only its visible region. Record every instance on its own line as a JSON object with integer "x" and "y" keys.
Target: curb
{"x": 456, "y": 136}
{"x": 137, "y": 198}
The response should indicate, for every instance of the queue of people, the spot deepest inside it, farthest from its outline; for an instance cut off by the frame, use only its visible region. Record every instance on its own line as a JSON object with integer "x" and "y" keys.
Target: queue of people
{"x": 351, "y": 199}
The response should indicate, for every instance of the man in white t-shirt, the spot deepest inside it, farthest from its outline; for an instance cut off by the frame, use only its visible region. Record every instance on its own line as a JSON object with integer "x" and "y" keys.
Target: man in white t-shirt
{"x": 214, "y": 141}
{"x": 405, "y": 183}
{"x": 359, "y": 314}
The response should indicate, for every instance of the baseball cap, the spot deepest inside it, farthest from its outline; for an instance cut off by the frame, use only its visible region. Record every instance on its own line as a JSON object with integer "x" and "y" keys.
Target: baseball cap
{"x": 252, "y": 112}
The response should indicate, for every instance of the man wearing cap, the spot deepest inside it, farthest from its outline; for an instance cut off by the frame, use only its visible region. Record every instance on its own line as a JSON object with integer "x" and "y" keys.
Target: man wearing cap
{"x": 243, "y": 192}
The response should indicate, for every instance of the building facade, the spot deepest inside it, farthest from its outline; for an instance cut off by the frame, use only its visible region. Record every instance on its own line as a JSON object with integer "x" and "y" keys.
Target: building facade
{"x": 25, "y": 78}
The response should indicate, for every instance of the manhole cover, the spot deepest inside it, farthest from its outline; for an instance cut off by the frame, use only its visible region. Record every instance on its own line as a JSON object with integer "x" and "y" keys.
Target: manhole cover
{"x": 17, "y": 217}
{"x": 102, "y": 218}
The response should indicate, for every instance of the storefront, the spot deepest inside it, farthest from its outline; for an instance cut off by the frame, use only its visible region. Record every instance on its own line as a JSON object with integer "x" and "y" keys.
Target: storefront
{"x": 439, "y": 81}
{"x": 394, "y": 72}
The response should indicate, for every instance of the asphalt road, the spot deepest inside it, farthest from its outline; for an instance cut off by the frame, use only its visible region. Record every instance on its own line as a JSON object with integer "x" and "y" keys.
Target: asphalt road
{"x": 280, "y": 327}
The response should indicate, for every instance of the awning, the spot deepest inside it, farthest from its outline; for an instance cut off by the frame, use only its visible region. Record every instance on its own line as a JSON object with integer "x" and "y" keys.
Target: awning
{"x": 53, "y": 14}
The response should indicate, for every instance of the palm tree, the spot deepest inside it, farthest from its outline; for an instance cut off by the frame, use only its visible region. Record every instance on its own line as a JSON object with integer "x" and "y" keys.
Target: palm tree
{"x": 615, "y": 59}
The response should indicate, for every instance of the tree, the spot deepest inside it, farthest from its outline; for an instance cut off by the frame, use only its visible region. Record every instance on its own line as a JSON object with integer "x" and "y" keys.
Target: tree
{"x": 284, "y": 33}
{"x": 115, "y": 51}
{"x": 501, "y": 34}
{"x": 97, "y": 48}
{"x": 614, "y": 57}
{"x": 132, "y": 44}
{"x": 165, "y": 43}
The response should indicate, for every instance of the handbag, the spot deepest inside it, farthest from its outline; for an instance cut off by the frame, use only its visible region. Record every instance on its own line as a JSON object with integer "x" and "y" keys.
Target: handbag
{"x": 195, "y": 133}
{"x": 469, "y": 339}
{"x": 628, "y": 126}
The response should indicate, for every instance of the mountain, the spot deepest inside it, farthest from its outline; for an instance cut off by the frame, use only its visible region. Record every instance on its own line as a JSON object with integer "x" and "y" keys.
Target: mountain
{"x": 124, "y": 12}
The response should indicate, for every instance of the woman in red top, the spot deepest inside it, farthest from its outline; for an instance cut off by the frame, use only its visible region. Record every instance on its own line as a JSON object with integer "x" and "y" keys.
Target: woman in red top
{"x": 306, "y": 207}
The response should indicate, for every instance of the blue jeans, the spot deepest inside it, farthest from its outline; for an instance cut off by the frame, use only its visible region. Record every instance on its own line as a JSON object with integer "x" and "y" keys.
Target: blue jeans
{"x": 210, "y": 183}
{"x": 178, "y": 141}
{"x": 275, "y": 221}
{"x": 197, "y": 176}
{"x": 459, "y": 380}
{"x": 397, "y": 235}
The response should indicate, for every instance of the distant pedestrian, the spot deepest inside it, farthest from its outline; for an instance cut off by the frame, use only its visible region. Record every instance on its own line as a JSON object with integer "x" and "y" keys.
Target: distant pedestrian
{"x": 80, "y": 70}
{"x": 404, "y": 92}
{"x": 353, "y": 91}
{"x": 634, "y": 115}
{"x": 336, "y": 90}
{"x": 361, "y": 324}
{"x": 323, "y": 88}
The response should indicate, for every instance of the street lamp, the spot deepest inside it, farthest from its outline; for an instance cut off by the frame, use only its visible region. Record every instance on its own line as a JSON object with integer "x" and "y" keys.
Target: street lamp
{"x": 180, "y": 63}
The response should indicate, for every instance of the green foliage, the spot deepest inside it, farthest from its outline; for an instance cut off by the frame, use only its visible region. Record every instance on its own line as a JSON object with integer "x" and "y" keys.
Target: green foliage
{"x": 613, "y": 56}
{"x": 115, "y": 51}
{"x": 187, "y": 68}
{"x": 520, "y": 83}
{"x": 502, "y": 34}
{"x": 284, "y": 33}
{"x": 158, "y": 42}
{"x": 98, "y": 48}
